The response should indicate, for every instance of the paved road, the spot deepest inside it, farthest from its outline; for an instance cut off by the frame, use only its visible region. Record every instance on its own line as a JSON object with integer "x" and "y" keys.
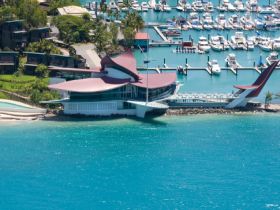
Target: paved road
{"x": 87, "y": 51}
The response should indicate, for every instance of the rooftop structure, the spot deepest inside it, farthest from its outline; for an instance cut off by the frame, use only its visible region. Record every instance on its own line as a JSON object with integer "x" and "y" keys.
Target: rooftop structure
{"x": 72, "y": 10}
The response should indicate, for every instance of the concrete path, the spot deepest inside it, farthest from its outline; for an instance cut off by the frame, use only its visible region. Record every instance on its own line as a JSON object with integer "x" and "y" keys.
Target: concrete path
{"x": 87, "y": 52}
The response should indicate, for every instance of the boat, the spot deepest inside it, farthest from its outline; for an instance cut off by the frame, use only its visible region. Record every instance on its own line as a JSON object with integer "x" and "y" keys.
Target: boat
{"x": 231, "y": 7}
{"x": 273, "y": 56}
{"x": 221, "y": 20}
{"x": 214, "y": 67}
{"x": 259, "y": 23}
{"x": 238, "y": 41}
{"x": 195, "y": 22}
{"x": 239, "y": 6}
{"x": 135, "y": 6}
{"x": 247, "y": 21}
{"x": 144, "y": 6}
{"x": 234, "y": 21}
{"x": 276, "y": 44}
{"x": 152, "y": 3}
{"x": 252, "y": 5}
{"x": 171, "y": 32}
{"x": 112, "y": 5}
{"x": 208, "y": 6}
{"x": 207, "y": 21}
{"x": 265, "y": 45}
{"x": 158, "y": 8}
{"x": 231, "y": 61}
{"x": 183, "y": 6}
{"x": 218, "y": 43}
{"x": 266, "y": 9}
{"x": 250, "y": 43}
{"x": 198, "y": 6}
{"x": 203, "y": 44}
{"x": 165, "y": 7}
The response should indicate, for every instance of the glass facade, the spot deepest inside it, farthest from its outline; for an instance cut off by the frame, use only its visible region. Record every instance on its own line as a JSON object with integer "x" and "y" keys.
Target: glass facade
{"x": 127, "y": 92}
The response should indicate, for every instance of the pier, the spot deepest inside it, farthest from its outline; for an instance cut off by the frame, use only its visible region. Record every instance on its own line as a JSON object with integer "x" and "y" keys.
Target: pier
{"x": 160, "y": 34}
{"x": 190, "y": 68}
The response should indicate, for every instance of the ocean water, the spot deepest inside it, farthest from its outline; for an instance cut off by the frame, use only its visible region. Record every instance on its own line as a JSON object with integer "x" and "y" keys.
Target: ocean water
{"x": 187, "y": 162}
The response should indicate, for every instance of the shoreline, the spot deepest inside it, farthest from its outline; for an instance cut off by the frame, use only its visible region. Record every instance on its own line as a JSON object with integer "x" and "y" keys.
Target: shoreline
{"x": 56, "y": 116}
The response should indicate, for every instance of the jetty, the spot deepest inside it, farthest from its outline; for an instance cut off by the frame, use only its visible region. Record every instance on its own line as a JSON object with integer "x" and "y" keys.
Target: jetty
{"x": 160, "y": 34}
{"x": 190, "y": 68}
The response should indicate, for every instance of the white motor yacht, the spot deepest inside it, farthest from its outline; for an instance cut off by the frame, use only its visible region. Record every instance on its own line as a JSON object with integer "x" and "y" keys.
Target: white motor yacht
{"x": 276, "y": 44}
{"x": 152, "y": 3}
{"x": 144, "y": 6}
{"x": 273, "y": 56}
{"x": 238, "y": 41}
{"x": 232, "y": 62}
{"x": 219, "y": 43}
{"x": 207, "y": 21}
{"x": 239, "y": 6}
{"x": 234, "y": 21}
{"x": 203, "y": 44}
{"x": 197, "y": 6}
{"x": 214, "y": 67}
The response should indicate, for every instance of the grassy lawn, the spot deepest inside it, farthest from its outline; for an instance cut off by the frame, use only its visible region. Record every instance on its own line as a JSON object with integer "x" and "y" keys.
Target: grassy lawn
{"x": 3, "y": 96}
{"x": 18, "y": 84}
{"x": 17, "y": 79}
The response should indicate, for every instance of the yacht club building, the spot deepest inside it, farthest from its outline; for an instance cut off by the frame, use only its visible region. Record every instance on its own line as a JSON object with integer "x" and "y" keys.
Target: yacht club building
{"x": 117, "y": 89}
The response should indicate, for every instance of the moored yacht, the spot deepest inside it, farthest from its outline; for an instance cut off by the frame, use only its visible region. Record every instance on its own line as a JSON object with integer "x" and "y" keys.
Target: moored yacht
{"x": 218, "y": 43}
{"x": 207, "y": 21}
{"x": 238, "y": 41}
{"x": 144, "y": 6}
{"x": 234, "y": 21}
{"x": 203, "y": 44}
{"x": 197, "y": 6}
{"x": 152, "y": 3}
{"x": 273, "y": 56}
{"x": 252, "y": 5}
{"x": 214, "y": 67}
{"x": 239, "y": 5}
{"x": 231, "y": 61}
{"x": 221, "y": 20}
{"x": 195, "y": 22}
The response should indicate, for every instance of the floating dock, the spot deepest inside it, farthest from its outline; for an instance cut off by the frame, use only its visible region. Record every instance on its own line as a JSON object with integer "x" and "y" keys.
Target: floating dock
{"x": 189, "y": 68}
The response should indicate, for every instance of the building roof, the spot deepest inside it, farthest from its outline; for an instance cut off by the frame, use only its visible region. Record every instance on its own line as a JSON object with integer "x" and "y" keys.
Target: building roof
{"x": 246, "y": 87}
{"x": 78, "y": 70}
{"x": 142, "y": 36}
{"x": 72, "y": 10}
{"x": 90, "y": 85}
{"x": 156, "y": 80}
{"x": 124, "y": 62}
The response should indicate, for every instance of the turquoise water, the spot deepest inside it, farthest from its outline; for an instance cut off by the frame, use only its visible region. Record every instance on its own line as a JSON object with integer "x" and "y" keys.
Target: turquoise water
{"x": 11, "y": 106}
{"x": 191, "y": 162}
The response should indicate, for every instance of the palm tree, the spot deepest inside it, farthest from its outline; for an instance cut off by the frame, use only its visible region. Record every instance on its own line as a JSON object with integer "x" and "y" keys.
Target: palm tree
{"x": 268, "y": 99}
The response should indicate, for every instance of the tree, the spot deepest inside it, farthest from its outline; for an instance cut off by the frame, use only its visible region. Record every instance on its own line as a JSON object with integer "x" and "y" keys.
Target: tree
{"x": 102, "y": 38}
{"x": 73, "y": 29}
{"x": 129, "y": 34}
{"x": 42, "y": 71}
{"x": 114, "y": 31}
{"x": 268, "y": 99}
{"x": 30, "y": 11}
{"x": 43, "y": 46}
{"x": 6, "y": 13}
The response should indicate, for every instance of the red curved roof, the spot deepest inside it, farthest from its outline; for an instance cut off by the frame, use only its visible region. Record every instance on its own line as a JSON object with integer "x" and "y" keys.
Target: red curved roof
{"x": 124, "y": 62}
{"x": 90, "y": 85}
{"x": 246, "y": 87}
{"x": 156, "y": 80}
